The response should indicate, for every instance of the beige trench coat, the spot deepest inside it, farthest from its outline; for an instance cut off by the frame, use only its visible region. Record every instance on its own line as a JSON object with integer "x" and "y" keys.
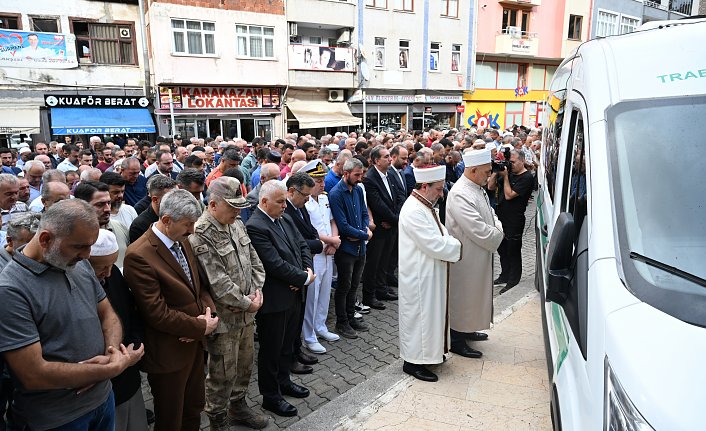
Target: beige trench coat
{"x": 470, "y": 218}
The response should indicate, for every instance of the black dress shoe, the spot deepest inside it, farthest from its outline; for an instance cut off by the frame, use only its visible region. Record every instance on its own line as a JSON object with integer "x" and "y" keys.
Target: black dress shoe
{"x": 279, "y": 407}
{"x": 306, "y": 358}
{"x": 507, "y": 287}
{"x": 299, "y": 368}
{"x": 499, "y": 280}
{"x": 465, "y": 351}
{"x": 477, "y": 336}
{"x": 294, "y": 390}
{"x": 374, "y": 303}
{"x": 419, "y": 372}
{"x": 386, "y": 296}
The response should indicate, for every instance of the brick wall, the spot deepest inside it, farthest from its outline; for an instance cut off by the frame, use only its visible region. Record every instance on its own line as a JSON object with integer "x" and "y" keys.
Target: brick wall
{"x": 275, "y": 7}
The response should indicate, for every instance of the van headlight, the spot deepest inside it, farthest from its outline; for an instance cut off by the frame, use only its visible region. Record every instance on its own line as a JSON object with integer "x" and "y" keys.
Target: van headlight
{"x": 620, "y": 414}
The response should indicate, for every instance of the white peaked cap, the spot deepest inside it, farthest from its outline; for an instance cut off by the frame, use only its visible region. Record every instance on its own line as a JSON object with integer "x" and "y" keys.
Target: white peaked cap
{"x": 105, "y": 245}
{"x": 476, "y": 157}
{"x": 429, "y": 175}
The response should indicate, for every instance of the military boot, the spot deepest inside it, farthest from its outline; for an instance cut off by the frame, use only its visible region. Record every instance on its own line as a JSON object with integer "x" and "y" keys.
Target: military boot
{"x": 240, "y": 414}
{"x": 220, "y": 422}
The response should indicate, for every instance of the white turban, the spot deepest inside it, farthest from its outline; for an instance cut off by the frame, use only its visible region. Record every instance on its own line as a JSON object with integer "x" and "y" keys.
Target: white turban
{"x": 105, "y": 245}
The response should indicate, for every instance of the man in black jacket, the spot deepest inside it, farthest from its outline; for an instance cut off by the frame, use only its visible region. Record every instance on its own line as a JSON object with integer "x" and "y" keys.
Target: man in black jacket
{"x": 299, "y": 188}
{"x": 129, "y": 404}
{"x": 385, "y": 198}
{"x": 157, "y": 186}
{"x": 287, "y": 262}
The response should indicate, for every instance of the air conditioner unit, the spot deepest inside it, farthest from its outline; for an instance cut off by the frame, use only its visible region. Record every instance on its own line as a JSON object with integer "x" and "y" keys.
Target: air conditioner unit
{"x": 514, "y": 32}
{"x": 344, "y": 37}
{"x": 335, "y": 95}
{"x": 293, "y": 30}
{"x": 125, "y": 32}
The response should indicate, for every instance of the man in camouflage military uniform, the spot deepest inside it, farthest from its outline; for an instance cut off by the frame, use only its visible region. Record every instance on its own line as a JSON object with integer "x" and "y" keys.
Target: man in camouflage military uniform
{"x": 222, "y": 246}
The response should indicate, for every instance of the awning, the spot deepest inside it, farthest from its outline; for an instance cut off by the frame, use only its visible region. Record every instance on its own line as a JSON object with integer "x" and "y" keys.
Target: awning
{"x": 84, "y": 121}
{"x": 315, "y": 114}
{"x": 19, "y": 120}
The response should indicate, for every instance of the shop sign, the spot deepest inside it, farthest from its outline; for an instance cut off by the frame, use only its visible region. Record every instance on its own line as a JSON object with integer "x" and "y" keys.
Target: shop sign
{"x": 93, "y": 101}
{"x": 521, "y": 91}
{"x": 37, "y": 50}
{"x": 427, "y": 109}
{"x": 460, "y": 109}
{"x": 416, "y": 98}
{"x": 219, "y": 97}
{"x": 485, "y": 114}
{"x": 521, "y": 45}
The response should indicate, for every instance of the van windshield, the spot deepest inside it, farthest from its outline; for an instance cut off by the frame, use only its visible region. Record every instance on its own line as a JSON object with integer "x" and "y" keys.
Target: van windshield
{"x": 658, "y": 172}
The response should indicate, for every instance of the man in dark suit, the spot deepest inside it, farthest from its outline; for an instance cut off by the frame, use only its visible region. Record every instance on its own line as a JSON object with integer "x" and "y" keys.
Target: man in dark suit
{"x": 299, "y": 188}
{"x": 385, "y": 198}
{"x": 157, "y": 187}
{"x": 287, "y": 262}
{"x": 173, "y": 299}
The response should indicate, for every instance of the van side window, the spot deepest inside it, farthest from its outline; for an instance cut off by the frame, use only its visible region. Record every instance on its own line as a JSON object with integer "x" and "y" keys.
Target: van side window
{"x": 552, "y": 134}
{"x": 575, "y": 189}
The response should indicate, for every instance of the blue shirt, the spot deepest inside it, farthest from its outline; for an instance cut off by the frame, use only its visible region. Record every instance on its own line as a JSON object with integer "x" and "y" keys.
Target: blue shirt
{"x": 351, "y": 215}
{"x": 255, "y": 179}
{"x": 330, "y": 180}
{"x": 135, "y": 192}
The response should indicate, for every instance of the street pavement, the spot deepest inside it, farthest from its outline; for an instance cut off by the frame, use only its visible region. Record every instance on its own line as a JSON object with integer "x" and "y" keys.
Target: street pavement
{"x": 355, "y": 375}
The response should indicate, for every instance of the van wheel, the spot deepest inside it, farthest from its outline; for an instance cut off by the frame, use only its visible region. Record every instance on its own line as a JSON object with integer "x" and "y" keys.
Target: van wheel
{"x": 554, "y": 410}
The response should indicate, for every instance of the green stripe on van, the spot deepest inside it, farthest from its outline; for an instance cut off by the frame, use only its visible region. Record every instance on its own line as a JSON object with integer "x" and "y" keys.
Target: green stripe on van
{"x": 560, "y": 335}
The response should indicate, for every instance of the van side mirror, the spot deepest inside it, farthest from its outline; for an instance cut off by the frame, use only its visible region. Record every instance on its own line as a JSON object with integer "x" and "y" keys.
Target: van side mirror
{"x": 559, "y": 257}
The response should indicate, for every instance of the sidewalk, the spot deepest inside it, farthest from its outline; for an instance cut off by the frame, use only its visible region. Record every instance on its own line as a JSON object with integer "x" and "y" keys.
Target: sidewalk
{"x": 506, "y": 390}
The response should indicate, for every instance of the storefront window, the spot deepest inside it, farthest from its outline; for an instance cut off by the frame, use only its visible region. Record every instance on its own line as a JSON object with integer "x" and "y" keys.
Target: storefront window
{"x": 387, "y": 122}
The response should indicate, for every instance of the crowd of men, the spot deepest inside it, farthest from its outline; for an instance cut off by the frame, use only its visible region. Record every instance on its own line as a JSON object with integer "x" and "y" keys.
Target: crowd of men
{"x": 127, "y": 256}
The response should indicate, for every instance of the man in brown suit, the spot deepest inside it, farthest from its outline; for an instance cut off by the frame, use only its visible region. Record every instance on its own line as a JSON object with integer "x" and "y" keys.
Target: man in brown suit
{"x": 178, "y": 311}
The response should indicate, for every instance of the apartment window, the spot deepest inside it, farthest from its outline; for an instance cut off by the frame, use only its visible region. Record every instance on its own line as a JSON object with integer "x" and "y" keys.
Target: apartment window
{"x": 10, "y": 22}
{"x": 382, "y": 4}
{"x": 575, "y": 27}
{"x": 105, "y": 43}
{"x": 540, "y": 77}
{"x": 194, "y": 37}
{"x": 508, "y": 74}
{"x": 404, "y": 54}
{"x": 314, "y": 40}
{"x": 332, "y": 42}
{"x": 404, "y": 5}
{"x": 449, "y": 8}
{"x": 681, "y": 6}
{"x": 486, "y": 75}
{"x": 255, "y": 41}
{"x": 455, "y": 57}
{"x": 515, "y": 18}
{"x": 628, "y": 24}
{"x": 379, "y": 60}
{"x": 607, "y": 23}
{"x": 434, "y": 56}
{"x": 45, "y": 24}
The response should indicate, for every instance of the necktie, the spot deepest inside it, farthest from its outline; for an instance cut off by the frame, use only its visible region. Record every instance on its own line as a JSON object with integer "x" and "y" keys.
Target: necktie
{"x": 386, "y": 180}
{"x": 301, "y": 214}
{"x": 279, "y": 225}
{"x": 176, "y": 248}
{"x": 399, "y": 176}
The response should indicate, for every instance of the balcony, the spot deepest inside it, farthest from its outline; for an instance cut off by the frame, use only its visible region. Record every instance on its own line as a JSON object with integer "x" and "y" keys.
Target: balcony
{"x": 337, "y": 13}
{"x": 321, "y": 66}
{"x": 522, "y": 3}
{"x": 513, "y": 42}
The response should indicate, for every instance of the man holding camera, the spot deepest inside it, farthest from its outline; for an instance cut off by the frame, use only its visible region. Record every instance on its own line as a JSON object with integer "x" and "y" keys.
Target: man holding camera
{"x": 514, "y": 184}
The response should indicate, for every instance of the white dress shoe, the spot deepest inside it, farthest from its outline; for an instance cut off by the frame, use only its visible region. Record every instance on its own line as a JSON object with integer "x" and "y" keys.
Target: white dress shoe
{"x": 328, "y": 336}
{"x": 316, "y": 348}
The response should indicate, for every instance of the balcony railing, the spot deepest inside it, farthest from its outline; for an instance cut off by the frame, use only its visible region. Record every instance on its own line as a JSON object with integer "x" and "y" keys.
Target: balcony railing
{"x": 321, "y": 58}
{"x": 510, "y": 41}
{"x": 516, "y": 33}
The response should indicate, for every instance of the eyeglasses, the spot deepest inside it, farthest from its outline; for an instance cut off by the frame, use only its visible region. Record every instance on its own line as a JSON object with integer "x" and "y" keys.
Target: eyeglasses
{"x": 306, "y": 195}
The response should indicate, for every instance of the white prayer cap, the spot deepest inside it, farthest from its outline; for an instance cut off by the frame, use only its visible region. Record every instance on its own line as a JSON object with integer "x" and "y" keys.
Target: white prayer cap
{"x": 333, "y": 148}
{"x": 24, "y": 150}
{"x": 489, "y": 146}
{"x": 476, "y": 157}
{"x": 429, "y": 175}
{"x": 106, "y": 244}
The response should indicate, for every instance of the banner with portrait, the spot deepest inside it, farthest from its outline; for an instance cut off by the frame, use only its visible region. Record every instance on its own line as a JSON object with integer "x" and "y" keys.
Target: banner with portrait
{"x": 37, "y": 50}
{"x": 321, "y": 58}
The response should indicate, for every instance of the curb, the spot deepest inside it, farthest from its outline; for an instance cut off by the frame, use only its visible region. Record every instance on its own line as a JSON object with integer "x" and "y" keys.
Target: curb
{"x": 352, "y": 409}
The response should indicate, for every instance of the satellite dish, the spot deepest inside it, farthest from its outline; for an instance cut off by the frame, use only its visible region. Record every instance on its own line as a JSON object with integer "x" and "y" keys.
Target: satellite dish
{"x": 364, "y": 70}
{"x": 361, "y": 50}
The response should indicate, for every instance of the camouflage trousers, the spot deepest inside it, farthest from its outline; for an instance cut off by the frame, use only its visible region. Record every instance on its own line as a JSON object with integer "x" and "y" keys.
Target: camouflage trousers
{"x": 230, "y": 364}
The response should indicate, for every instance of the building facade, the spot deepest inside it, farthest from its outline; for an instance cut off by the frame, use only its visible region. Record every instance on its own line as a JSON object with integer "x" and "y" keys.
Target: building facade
{"x": 416, "y": 60}
{"x": 520, "y": 44}
{"x": 71, "y": 68}
{"x": 220, "y": 67}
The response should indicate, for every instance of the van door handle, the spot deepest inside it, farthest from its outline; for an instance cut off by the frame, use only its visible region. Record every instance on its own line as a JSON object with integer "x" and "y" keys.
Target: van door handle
{"x": 544, "y": 230}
